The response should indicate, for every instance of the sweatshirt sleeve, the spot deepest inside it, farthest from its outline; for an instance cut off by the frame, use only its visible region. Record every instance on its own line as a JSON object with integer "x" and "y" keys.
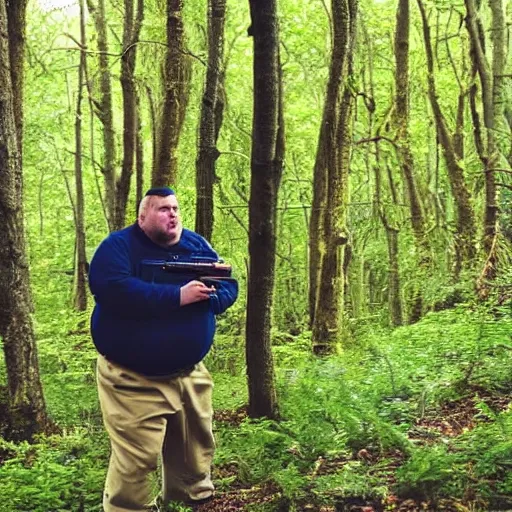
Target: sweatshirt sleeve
{"x": 225, "y": 295}
{"x": 114, "y": 286}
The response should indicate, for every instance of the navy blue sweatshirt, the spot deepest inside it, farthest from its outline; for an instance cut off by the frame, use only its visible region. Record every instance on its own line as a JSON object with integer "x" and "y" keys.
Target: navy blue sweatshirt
{"x": 138, "y": 321}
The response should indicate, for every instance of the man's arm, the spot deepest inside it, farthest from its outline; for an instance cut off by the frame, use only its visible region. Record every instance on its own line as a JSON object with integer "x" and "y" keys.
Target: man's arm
{"x": 115, "y": 287}
{"x": 226, "y": 292}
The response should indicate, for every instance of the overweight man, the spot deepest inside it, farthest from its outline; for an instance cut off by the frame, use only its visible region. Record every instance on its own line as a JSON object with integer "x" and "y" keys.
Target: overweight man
{"x": 152, "y": 329}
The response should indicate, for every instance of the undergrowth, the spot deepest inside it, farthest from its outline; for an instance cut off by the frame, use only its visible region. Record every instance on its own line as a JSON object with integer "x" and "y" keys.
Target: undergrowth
{"x": 346, "y": 426}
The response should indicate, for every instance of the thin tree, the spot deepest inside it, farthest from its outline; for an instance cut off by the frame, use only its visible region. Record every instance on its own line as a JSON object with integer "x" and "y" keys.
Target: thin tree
{"x": 465, "y": 236}
{"x": 491, "y": 81}
{"x": 403, "y": 144}
{"x": 324, "y": 160}
{"x": 266, "y": 169}
{"x": 139, "y": 157}
{"x": 131, "y": 33}
{"x": 329, "y": 302}
{"x": 104, "y": 108}
{"x": 80, "y": 292}
{"x": 212, "y": 107}
{"x": 176, "y": 91}
{"x": 26, "y": 407}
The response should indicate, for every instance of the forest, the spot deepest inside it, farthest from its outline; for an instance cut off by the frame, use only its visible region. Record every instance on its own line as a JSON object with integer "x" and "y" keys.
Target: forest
{"x": 351, "y": 159}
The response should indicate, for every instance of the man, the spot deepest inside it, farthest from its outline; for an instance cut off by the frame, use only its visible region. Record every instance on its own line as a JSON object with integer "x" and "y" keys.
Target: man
{"x": 152, "y": 329}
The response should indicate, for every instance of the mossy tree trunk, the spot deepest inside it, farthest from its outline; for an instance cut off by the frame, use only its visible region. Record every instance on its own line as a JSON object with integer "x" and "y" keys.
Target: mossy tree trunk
{"x": 330, "y": 292}
{"x": 392, "y": 238}
{"x": 465, "y": 236}
{"x": 325, "y": 159}
{"x": 266, "y": 169}
{"x": 401, "y": 124}
{"x": 212, "y": 108}
{"x": 491, "y": 82}
{"x": 26, "y": 407}
{"x": 176, "y": 92}
{"x": 131, "y": 32}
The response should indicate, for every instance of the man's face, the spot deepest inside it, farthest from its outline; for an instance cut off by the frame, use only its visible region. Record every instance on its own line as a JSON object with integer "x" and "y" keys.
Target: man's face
{"x": 161, "y": 220}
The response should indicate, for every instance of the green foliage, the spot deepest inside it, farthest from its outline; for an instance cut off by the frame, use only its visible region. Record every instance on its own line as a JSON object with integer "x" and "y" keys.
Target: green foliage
{"x": 476, "y": 463}
{"x": 344, "y": 423}
{"x": 59, "y": 473}
{"x": 353, "y": 412}
{"x": 431, "y": 471}
{"x": 353, "y": 480}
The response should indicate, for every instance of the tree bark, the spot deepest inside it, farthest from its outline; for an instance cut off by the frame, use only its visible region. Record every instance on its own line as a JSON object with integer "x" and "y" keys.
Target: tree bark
{"x": 16, "y": 13}
{"x": 325, "y": 159}
{"x": 211, "y": 115}
{"x": 266, "y": 170}
{"x": 491, "y": 81}
{"x": 26, "y": 407}
{"x": 176, "y": 85}
{"x": 401, "y": 122}
{"x": 465, "y": 236}
{"x": 139, "y": 160}
{"x": 392, "y": 238}
{"x": 329, "y": 303}
{"x": 131, "y": 34}
{"x": 105, "y": 109}
{"x": 80, "y": 292}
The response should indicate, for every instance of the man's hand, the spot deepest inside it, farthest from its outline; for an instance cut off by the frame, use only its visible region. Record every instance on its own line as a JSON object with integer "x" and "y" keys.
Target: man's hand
{"x": 194, "y": 291}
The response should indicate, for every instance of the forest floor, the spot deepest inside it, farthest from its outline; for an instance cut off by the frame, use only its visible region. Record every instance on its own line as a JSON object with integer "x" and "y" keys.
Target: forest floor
{"x": 451, "y": 420}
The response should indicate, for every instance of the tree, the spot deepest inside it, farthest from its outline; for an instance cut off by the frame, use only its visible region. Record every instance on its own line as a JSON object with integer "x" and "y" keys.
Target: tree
{"x": 176, "y": 86}
{"x": 266, "y": 170}
{"x": 131, "y": 32}
{"x": 403, "y": 144}
{"x": 26, "y": 407}
{"x": 323, "y": 161}
{"x": 80, "y": 298}
{"x": 465, "y": 236}
{"x": 333, "y": 218}
{"x": 104, "y": 109}
{"x": 212, "y": 107}
{"x": 491, "y": 81}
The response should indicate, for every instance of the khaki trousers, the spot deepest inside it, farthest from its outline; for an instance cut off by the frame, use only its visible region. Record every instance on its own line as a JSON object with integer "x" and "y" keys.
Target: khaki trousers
{"x": 147, "y": 418}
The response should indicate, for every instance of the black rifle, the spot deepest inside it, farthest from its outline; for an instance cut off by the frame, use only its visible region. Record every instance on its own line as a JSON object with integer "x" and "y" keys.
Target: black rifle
{"x": 207, "y": 272}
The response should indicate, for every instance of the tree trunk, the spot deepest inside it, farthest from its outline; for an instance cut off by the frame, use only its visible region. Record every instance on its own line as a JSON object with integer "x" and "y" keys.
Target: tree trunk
{"x": 395, "y": 304}
{"x": 16, "y": 13}
{"x": 392, "y": 235}
{"x": 176, "y": 85}
{"x": 80, "y": 291}
{"x": 465, "y": 237}
{"x": 401, "y": 122}
{"x": 130, "y": 38}
{"x": 491, "y": 82}
{"x": 211, "y": 107}
{"x": 139, "y": 160}
{"x": 26, "y": 407}
{"x": 105, "y": 109}
{"x": 325, "y": 159}
{"x": 266, "y": 170}
{"x": 329, "y": 303}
